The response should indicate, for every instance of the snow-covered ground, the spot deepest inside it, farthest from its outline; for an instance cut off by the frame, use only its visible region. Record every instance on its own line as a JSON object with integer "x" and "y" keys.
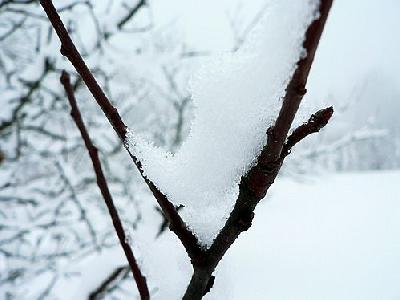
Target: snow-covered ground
{"x": 335, "y": 236}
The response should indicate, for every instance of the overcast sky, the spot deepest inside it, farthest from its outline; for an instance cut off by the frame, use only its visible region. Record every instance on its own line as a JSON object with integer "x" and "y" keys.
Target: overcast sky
{"x": 361, "y": 41}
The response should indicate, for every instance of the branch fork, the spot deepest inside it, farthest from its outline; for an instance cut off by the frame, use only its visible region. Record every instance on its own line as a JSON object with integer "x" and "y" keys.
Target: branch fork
{"x": 253, "y": 186}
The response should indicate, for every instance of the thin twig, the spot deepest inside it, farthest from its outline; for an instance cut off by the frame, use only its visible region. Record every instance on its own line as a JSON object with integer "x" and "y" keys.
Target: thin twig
{"x": 103, "y": 186}
{"x": 69, "y": 50}
{"x": 108, "y": 283}
{"x": 131, "y": 13}
{"x": 315, "y": 123}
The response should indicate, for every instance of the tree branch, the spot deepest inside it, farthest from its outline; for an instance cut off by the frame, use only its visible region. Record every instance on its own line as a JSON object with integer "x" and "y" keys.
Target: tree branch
{"x": 131, "y": 13}
{"x": 315, "y": 123}
{"x": 103, "y": 186}
{"x": 263, "y": 174}
{"x": 69, "y": 50}
{"x": 255, "y": 184}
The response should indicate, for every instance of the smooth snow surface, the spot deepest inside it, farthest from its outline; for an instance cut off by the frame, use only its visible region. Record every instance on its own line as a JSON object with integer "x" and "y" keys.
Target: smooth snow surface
{"x": 335, "y": 237}
{"x": 236, "y": 98}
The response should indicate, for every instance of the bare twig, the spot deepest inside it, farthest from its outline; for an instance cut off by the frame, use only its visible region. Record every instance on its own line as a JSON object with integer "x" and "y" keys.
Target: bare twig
{"x": 107, "y": 284}
{"x": 69, "y": 50}
{"x": 316, "y": 122}
{"x": 32, "y": 87}
{"x": 103, "y": 186}
{"x": 131, "y": 13}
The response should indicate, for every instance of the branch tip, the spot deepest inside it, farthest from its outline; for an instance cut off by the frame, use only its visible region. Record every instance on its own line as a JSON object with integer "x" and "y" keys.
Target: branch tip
{"x": 315, "y": 123}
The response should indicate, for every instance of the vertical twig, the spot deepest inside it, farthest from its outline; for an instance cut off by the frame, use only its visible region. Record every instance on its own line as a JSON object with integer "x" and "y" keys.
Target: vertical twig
{"x": 103, "y": 186}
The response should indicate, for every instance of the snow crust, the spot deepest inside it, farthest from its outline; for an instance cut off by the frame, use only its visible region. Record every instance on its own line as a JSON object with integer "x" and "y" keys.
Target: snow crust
{"x": 236, "y": 98}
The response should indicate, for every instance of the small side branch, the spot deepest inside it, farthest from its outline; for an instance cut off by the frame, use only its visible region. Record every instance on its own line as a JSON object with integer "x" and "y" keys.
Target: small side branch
{"x": 103, "y": 186}
{"x": 315, "y": 123}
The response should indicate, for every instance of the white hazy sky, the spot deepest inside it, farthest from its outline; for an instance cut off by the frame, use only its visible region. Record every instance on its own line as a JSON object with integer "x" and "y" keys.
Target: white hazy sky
{"x": 361, "y": 38}
{"x": 205, "y": 23}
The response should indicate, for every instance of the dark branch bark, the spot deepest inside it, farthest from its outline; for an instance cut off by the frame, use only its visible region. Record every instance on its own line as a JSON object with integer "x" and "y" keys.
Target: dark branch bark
{"x": 103, "y": 186}
{"x": 254, "y": 186}
{"x": 69, "y": 50}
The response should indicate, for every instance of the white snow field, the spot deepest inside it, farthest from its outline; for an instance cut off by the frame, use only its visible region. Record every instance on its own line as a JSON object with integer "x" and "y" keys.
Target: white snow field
{"x": 331, "y": 237}
{"x": 336, "y": 238}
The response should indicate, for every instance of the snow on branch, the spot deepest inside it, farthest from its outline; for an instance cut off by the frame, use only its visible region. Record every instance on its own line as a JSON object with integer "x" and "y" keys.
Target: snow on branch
{"x": 255, "y": 184}
{"x": 237, "y": 144}
{"x": 236, "y": 96}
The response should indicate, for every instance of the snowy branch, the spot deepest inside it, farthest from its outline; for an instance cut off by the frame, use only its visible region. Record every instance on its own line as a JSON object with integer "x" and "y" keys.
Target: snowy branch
{"x": 254, "y": 185}
{"x": 103, "y": 186}
{"x": 49, "y": 207}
